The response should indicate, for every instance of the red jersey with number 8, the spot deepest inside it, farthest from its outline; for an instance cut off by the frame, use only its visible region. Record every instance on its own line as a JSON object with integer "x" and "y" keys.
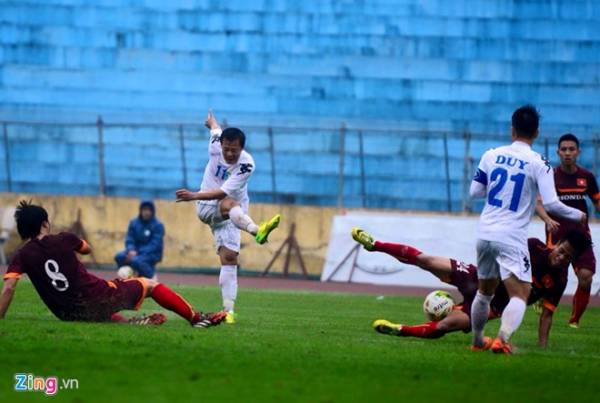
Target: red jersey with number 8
{"x": 60, "y": 279}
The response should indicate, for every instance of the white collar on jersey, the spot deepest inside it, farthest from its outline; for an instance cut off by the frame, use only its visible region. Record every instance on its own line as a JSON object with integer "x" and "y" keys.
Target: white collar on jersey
{"x": 521, "y": 144}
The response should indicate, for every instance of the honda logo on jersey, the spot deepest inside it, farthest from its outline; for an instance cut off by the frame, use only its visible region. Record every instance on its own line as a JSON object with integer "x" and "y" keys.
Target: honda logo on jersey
{"x": 582, "y": 182}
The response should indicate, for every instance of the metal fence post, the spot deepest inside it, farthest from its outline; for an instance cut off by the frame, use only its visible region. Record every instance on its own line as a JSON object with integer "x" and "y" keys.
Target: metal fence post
{"x": 7, "y": 157}
{"x": 363, "y": 187}
{"x": 273, "y": 168}
{"x": 101, "y": 173}
{"x": 182, "y": 153}
{"x": 340, "y": 195}
{"x": 467, "y": 205}
{"x": 447, "y": 168}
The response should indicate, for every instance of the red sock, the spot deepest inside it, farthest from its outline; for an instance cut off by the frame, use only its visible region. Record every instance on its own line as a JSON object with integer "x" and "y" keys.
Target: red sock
{"x": 580, "y": 302}
{"x": 427, "y": 330}
{"x": 404, "y": 253}
{"x": 172, "y": 301}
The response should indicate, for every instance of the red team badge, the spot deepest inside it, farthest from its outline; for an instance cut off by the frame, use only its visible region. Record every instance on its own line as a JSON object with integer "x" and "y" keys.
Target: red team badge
{"x": 582, "y": 182}
{"x": 547, "y": 281}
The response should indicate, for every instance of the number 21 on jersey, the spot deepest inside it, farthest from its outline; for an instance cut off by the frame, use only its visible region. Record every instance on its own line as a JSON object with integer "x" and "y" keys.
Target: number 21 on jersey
{"x": 501, "y": 175}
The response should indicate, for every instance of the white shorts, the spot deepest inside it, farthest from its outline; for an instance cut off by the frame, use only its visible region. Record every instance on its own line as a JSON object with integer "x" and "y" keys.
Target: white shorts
{"x": 224, "y": 232}
{"x": 497, "y": 259}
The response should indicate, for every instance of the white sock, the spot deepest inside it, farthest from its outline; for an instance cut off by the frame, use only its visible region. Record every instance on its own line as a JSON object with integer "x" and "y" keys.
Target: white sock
{"x": 229, "y": 286}
{"x": 242, "y": 220}
{"x": 480, "y": 309}
{"x": 512, "y": 318}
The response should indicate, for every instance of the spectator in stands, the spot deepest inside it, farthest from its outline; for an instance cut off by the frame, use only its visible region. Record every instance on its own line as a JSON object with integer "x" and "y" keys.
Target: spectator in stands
{"x": 144, "y": 242}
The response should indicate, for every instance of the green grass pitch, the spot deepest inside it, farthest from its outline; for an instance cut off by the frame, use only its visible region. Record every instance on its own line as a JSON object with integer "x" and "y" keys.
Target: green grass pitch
{"x": 290, "y": 346}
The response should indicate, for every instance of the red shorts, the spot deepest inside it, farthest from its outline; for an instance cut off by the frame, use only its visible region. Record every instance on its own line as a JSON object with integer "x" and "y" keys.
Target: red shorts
{"x": 464, "y": 277}
{"x": 586, "y": 260}
{"x": 120, "y": 295}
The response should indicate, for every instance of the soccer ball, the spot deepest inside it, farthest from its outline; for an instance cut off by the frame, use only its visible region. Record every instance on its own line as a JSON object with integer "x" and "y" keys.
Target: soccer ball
{"x": 438, "y": 305}
{"x": 125, "y": 272}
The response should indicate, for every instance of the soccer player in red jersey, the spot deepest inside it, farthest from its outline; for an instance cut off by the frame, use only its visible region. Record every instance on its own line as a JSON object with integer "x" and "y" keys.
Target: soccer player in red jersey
{"x": 549, "y": 273}
{"x": 74, "y": 294}
{"x": 573, "y": 184}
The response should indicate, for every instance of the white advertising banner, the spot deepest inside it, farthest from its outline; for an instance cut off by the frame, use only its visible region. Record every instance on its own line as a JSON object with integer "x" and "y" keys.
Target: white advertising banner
{"x": 437, "y": 235}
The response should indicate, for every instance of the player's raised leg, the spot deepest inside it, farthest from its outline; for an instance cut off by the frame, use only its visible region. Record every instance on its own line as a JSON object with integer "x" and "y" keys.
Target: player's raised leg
{"x": 441, "y": 267}
{"x": 232, "y": 209}
{"x": 404, "y": 253}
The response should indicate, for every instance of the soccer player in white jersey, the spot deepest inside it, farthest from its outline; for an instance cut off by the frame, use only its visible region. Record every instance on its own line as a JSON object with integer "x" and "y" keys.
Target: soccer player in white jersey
{"x": 222, "y": 203}
{"x": 510, "y": 178}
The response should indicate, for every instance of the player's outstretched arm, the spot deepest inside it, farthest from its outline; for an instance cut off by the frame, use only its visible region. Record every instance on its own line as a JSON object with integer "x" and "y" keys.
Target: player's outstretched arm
{"x": 551, "y": 225}
{"x": 184, "y": 195}
{"x": 8, "y": 290}
{"x": 544, "y": 328}
{"x": 550, "y": 201}
{"x": 211, "y": 121}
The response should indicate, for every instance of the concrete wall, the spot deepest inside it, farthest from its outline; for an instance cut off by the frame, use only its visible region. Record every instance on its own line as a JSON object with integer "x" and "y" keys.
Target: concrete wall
{"x": 188, "y": 242}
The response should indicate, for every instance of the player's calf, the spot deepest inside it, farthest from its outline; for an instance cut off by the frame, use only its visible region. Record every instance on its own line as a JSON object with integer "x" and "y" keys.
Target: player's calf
{"x": 174, "y": 302}
{"x": 581, "y": 298}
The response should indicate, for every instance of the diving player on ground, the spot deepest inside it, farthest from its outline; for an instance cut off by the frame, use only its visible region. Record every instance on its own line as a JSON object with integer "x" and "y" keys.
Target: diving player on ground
{"x": 549, "y": 272}
{"x": 222, "y": 203}
{"x": 74, "y": 294}
{"x": 573, "y": 183}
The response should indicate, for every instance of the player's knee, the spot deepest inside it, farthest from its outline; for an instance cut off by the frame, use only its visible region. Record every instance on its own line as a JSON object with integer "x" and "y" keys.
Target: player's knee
{"x": 585, "y": 277}
{"x": 442, "y": 327}
{"x": 226, "y": 205}
{"x": 228, "y": 256}
{"x": 524, "y": 292}
{"x": 229, "y": 259}
{"x": 146, "y": 270}
{"x": 487, "y": 287}
{"x": 150, "y": 284}
{"x": 120, "y": 258}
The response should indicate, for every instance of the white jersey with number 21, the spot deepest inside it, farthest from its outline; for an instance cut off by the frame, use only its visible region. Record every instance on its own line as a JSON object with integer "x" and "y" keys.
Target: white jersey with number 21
{"x": 513, "y": 176}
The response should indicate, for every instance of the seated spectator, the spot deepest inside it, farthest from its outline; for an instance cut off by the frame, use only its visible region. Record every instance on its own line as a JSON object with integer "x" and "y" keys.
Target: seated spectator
{"x": 143, "y": 243}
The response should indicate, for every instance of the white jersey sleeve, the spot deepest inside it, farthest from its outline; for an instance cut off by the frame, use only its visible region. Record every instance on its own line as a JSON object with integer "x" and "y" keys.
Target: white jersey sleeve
{"x": 238, "y": 178}
{"x": 480, "y": 180}
{"x": 214, "y": 143}
{"x": 547, "y": 189}
{"x": 544, "y": 177}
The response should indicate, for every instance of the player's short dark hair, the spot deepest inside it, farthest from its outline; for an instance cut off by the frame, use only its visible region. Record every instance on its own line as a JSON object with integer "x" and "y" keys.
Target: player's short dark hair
{"x": 30, "y": 218}
{"x": 233, "y": 134}
{"x": 568, "y": 137}
{"x": 526, "y": 121}
{"x": 578, "y": 240}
